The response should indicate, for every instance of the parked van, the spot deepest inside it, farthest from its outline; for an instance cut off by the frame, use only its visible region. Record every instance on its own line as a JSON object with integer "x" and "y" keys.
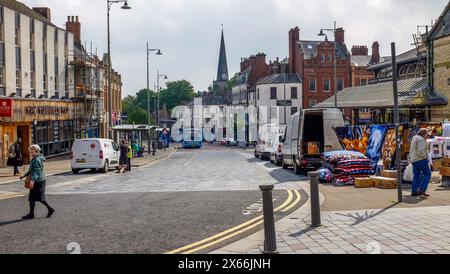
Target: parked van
{"x": 267, "y": 134}
{"x": 310, "y": 132}
{"x": 94, "y": 154}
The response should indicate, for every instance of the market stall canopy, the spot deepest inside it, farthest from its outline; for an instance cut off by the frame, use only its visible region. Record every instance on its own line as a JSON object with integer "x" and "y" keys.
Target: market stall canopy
{"x": 411, "y": 92}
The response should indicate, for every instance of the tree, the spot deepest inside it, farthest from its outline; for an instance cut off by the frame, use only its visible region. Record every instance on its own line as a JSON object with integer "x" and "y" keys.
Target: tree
{"x": 176, "y": 93}
{"x": 136, "y": 114}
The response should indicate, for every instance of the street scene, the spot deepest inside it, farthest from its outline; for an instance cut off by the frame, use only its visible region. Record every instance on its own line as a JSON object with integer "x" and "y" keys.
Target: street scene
{"x": 331, "y": 137}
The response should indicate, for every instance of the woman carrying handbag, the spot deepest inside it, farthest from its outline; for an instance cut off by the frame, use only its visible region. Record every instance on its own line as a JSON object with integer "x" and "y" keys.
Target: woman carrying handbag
{"x": 35, "y": 181}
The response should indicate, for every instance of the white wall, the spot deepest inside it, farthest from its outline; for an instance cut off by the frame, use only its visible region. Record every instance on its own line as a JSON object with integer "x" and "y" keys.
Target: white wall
{"x": 10, "y": 51}
{"x": 51, "y": 60}
{"x": 25, "y": 54}
{"x": 39, "y": 56}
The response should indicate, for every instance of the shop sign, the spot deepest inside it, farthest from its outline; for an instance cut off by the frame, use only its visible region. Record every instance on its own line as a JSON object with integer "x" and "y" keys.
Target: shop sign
{"x": 47, "y": 110}
{"x": 284, "y": 103}
{"x": 6, "y": 108}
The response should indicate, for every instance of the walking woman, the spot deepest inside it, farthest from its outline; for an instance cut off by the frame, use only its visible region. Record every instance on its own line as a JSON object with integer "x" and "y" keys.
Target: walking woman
{"x": 37, "y": 185}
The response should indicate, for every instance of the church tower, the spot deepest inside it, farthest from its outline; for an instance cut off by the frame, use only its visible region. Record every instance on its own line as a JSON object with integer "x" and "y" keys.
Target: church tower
{"x": 222, "y": 70}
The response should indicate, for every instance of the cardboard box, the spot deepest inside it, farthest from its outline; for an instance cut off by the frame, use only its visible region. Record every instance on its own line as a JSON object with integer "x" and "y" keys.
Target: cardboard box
{"x": 364, "y": 182}
{"x": 313, "y": 148}
{"x": 437, "y": 164}
{"x": 445, "y": 162}
{"x": 445, "y": 171}
{"x": 389, "y": 174}
{"x": 385, "y": 183}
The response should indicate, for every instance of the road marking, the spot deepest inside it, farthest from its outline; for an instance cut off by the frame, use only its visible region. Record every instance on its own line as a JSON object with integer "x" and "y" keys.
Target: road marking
{"x": 11, "y": 197}
{"x": 208, "y": 242}
{"x": 297, "y": 200}
{"x": 190, "y": 161}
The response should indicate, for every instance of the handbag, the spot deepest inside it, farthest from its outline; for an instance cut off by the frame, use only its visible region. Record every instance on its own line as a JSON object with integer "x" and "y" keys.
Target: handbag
{"x": 29, "y": 184}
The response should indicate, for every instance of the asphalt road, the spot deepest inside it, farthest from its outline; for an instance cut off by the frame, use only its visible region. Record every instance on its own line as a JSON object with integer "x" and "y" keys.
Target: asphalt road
{"x": 188, "y": 197}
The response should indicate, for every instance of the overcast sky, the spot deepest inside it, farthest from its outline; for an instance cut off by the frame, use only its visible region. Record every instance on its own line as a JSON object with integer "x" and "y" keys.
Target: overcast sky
{"x": 188, "y": 31}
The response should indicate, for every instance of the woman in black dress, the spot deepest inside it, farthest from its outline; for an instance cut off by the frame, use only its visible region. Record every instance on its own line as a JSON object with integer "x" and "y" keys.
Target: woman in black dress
{"x": 37, "y": 193}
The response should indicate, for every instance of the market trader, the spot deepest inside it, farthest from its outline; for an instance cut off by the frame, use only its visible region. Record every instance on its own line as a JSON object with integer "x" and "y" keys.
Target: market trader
{"x": 421, "y": 167}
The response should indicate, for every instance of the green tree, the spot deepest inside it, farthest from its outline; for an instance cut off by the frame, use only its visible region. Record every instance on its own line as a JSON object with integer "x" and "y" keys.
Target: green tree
{"x": 176, "y": 93}
{"x": 136, "y": 114}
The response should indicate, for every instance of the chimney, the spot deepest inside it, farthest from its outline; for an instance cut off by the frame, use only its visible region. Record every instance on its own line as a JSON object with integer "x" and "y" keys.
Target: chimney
{"x": 45, "y": 12}
{"x": 340, "y": 37}
{"x": 375, "y": 53}
{"x": 74, "y": 26}
{"x": 294, "y": 38}
{"x": 360, "y": 51}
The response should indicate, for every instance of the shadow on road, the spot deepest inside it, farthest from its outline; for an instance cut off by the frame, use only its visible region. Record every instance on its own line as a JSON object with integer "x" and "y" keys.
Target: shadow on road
{"x": 11, "y": 222}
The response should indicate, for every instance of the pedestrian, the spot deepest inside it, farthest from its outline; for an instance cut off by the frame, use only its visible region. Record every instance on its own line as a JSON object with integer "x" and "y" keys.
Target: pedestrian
{"x": 36, "y": 175}
{"x": 123, "y": 156}
{"x": 419, "y": 153}
{"x": 15, "y": 158}
{"x": 165, "y": 139}
{"x": 129, "y": 157}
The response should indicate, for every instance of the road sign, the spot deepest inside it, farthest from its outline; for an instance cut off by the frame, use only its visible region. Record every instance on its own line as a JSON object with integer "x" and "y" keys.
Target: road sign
{"x": 124, "y": 116}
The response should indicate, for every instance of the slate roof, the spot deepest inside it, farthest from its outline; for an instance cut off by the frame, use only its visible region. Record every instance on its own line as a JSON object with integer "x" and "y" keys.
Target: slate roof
{"x": 24, "y": 9}
{"x": 442, "y": 26}
{"x": 406, "y": 57}
{"x": 412, "y": 92}
{"x": 279, "y": 79}
{"x": 309, "y": 48}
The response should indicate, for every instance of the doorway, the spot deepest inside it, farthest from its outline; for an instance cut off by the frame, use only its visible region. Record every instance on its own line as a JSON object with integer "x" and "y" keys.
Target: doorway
{"x": 23, "y": 132}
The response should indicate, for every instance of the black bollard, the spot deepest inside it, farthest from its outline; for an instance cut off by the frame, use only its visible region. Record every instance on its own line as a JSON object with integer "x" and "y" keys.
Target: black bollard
{"x": 314, "y": 197}
{"x": 270, "y": 239}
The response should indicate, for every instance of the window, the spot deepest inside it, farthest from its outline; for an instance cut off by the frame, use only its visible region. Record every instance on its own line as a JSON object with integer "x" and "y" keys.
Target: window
{"x": 33, "y": 84}
{"x": 17, "y": 29}
{"x": 294, "y": 94}
{"x": 363, "y": 82}
{"x": 330, "y": 58}
{"x": 45, "y": 86}
{"x": 294, "y": 110}
{"x": 273, "y": 93}
{"x": 2, "y": 81}
{"x": 56, "y": 65}
{"x": 326, "y": 85}
{"x": 18, "y": 58}
{"x": 258, "y": 93}
{"x": 340, "y": 84}
{"x": 2, "y": 38}
{"x": 18, "y": 83}
{"x": 31, "y": 34}
{"x": 322, "y": 58}
{"x": 45, "y": 63}
{"x": 312, "y": 85}
{"x": 312, "y": 103}
{"x": 56, "y": 83}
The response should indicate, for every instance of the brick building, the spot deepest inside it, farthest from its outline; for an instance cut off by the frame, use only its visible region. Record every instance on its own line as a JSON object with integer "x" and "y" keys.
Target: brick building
{"x": 313, "y": 61}
{"x": 360, "y": 61}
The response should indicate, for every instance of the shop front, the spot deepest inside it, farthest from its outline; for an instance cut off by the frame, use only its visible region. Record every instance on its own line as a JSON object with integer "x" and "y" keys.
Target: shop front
{"x": 51, "y": 124}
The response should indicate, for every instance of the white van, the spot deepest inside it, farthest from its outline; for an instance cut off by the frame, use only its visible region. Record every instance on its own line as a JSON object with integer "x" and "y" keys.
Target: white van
{"x": 94, "y": 154}
{"x": 310, "y": 132}
{"x": 267, "y": 134}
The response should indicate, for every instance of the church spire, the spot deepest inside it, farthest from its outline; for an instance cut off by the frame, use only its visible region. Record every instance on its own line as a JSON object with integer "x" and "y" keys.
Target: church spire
{"x": 222, "y": 70}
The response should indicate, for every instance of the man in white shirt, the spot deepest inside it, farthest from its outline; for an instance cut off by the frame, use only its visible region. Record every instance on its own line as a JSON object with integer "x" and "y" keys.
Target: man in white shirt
{"x": 419, "y": 152}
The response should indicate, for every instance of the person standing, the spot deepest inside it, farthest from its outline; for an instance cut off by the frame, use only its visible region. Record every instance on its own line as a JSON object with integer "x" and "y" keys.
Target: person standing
{"x": 37, "y": 191}
{"x": 15, "y": 158}
{"x": 129, "y": 157}
{"x": 123, "y": 156}
{"x": 419, "y": 152}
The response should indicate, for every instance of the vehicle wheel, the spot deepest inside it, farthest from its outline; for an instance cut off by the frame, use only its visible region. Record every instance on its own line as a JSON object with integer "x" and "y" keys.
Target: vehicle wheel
{"x": 105, "y": 168}
{"x": 284, "y": 165}
{"x": 75, "y": 171}
{"x": 93, "y": 169}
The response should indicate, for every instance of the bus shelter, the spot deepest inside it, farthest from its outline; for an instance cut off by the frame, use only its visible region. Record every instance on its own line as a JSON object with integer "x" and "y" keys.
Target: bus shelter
{"x": 143, "y": 135}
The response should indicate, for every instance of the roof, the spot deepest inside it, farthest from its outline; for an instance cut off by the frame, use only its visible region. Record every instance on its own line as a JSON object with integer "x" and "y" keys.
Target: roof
{"x": 279, "y": 79}
{"x": 442, "y": 26}
{"x": 24, "y": 9}
{"x": 412, "y": 92}
{"x": 222, "y": 69}
{"x": 243, "y": 77}
{"x": 133, "y": 127}
{"x": 309, "y": 48}
{"x": 406, "y": 57}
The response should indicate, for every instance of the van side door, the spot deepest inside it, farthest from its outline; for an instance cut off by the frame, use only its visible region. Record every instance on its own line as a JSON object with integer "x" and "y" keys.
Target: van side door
{"x": 115, "y": 158}
{"x": 295, "y": 136}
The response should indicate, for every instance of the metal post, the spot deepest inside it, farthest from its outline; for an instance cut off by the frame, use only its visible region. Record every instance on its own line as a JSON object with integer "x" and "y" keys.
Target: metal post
{"x": 148, "y": 99}
{"x": 270, "y": 240}
{"x": 398, "y": 159}
{"x": 335, "y": 68}
{"x": 109, "y": 78}
{"x": 157, "y": 96}
{"x": 314, "y": 196}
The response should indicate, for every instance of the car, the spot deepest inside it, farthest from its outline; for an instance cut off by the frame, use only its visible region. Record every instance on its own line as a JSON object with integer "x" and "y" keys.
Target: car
{"x": 228, "y": 142}
{"x": 276, "y": 155}
{"x": 95, "y": 154}
{"x": 267, "y": 134}
{"x": 310, "y": 132}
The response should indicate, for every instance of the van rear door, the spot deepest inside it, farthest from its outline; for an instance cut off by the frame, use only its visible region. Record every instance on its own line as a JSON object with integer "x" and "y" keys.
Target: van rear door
{"x": 332, "y": 118}
{"x": 86, "y": 152}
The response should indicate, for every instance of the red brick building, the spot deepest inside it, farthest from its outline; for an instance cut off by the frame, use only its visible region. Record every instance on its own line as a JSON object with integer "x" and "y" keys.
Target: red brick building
{"x": 313, "y": 61}
{"x": 360, "y": 61}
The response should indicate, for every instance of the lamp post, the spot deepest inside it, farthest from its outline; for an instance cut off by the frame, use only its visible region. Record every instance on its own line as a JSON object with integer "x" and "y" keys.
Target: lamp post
{"x": 334, "y": 61}
{"x": 125, "y": 7}
{"x": 157, "y": 86}
{"x": 158, "y": 52}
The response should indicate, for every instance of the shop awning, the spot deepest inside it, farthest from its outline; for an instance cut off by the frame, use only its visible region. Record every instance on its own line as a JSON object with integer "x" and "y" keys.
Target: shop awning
{"x": 411, "y": 92}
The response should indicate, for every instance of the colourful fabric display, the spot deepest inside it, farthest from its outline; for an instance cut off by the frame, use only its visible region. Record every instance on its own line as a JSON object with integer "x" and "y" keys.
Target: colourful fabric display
{"x": 376, "y": 140}
{"x": 325, "y": 175}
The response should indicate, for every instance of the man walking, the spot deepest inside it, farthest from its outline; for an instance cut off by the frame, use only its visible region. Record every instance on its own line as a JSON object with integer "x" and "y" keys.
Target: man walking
{"x": 129, "y": 157}
{"x": 419, "y": 152}
{"x": 15, "y": 156}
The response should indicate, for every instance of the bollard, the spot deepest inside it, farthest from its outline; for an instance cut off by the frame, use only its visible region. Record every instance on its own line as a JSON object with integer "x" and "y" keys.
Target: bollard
{"x": 270, "y": 240}
{"x": 314, "y": 196}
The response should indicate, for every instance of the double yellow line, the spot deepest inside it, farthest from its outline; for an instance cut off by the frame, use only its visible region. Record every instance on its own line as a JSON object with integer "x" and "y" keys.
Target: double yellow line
{"x": 227, "y": 234}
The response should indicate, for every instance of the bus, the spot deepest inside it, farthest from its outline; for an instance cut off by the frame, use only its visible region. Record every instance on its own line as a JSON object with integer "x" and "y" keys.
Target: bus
{"x": 192, "y": 138}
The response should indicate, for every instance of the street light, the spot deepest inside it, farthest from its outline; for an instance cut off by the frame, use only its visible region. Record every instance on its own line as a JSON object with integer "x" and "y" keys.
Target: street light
{"x": 157, "y": 87}
{"x": 158, "y": 52}
{"x": 321, "y": 33}
{"x": 125, "y": 7}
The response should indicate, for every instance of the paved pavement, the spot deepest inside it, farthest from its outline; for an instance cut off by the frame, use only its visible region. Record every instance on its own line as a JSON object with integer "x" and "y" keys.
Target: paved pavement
{"x": 184, "y": 198}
